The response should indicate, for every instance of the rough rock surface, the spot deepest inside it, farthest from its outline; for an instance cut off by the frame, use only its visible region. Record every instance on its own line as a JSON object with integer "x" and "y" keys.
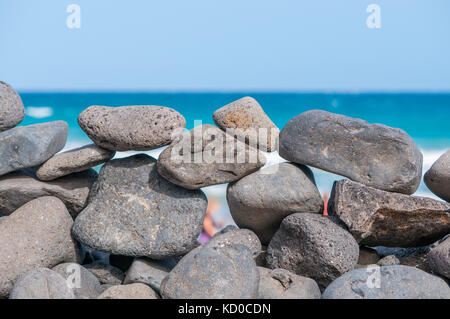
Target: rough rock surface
{"x": 28, "y": 146}
{"x": 18, "y": 188}
{"x": 133, "y": 211}
{"x": 437, "y": 178}
{"x": 390, "y": 260}
{"x": 373, "y": 154}
{"x": 212, "y": 272}
{"x": 36, "y": 235}
{"x": 12, "y": 111}
{"x": 133, "y": 291}
{"x": 246, "y": 120}
{"x": 149, "y": 272}
{"x": 395, "y": 282}
{"x": 439, "y": 258}
{"x": 106, "y": 273}
{"x": 41, "y": 283}
{"x": 207, "y": 156}
{"x": 282, "y": 284}
{"x": 312, "y": 245}
{"x": 261, "y": 200}
{"x": 136, "y": 127}
{"x": 83, "y": 283}
{"x": 379, "y": 218}
{"x": 232, "y": 235}
{"x": 73, "y": 161}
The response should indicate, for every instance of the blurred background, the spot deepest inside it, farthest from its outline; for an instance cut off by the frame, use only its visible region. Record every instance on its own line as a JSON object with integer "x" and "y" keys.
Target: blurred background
{"x": 196, "y": 56}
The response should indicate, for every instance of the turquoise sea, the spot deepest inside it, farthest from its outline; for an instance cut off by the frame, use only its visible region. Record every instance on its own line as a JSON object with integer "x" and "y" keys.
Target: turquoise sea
{"x": 425, "y": 117}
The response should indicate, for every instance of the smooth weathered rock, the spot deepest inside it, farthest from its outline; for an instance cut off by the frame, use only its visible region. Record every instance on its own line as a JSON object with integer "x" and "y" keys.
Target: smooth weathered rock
{"x": 12, "y": 111}
{"x": 246, "y": 120}
{"x": 437, "y": 178}
{"x": 41, "y": 283}
{"x": 212, "y": 272}
{"x": 18, "y": 188}
{"x": 149, "y": 272}
{"x": 387, "y": 282}
{"x": 261, "y": 200}
{"x": 28, "y": 146}
{"x": 390, "y": 260}
{"x": 378, "y": 218}
{"x": 133, "y": 291}
{"x": 35, "y": 235}
{"x": 106, "y": 273}
{"x": 373, "y": 154}
{"x": 232, "y": 235}
{"x": 133, "y": 211}
{"x": 83, "y": 283}
{"x": 439, "y": 258}
{"x": 282, "y": 284}
{"x": 73, "y": 161}
{"x": 207, "y": 156}
{"x": 136, "y": 127}
{"x": 312, "y": 245}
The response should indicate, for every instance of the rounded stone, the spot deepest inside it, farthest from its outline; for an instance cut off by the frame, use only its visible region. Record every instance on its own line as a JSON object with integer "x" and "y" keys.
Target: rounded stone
{"x": 387, "y": 282}
{"x": 232, "y": 235}
{"x": 312, "y": 245}
{"x": 261, "y": 200}
{"x": 12, "y": 111}
{"x": 439, "y": 258}
{"x": 136, "y": 127}
{"x": 437, "y": 178}
{"x": 132, "y": 291}
{"x": 390, "y": 260}
{"x": 41, "y": 283}
{"x": 149, "y": 272}
{"x": 83, "y": 283}
{"x": 73, "y": 161}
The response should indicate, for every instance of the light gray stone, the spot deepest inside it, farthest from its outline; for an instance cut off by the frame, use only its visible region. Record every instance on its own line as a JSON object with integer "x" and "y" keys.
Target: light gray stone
{"x": 390, "y": 260}
{"x": 232, "y": 235}
{"x": 83, "y": 283}
{"x": 12, "y": 111}
{"x": 132, "y": 291}
{"x": 437, "y": 178}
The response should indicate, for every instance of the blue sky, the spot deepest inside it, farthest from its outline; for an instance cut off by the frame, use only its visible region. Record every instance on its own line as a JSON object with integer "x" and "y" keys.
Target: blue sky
{"x": 225, "y": 45}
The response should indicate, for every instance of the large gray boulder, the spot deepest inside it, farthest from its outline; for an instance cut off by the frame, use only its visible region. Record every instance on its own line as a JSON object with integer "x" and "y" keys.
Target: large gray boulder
{"x": 28, "y": 146}
{"x": 379, "y": 218}
{"x": 439, "y": 258}
{"x": 261, "y": 200}
{"x": 133, "y": 211}
{"x": 41, "y": 283}
{"x": 35, "y": 235}
{"x": 387, "y": 282}
{"x": 246, "y": 120}
{"x": 12, "y": 111}
{"x": 207, "y": 156}
{"x": 83, "y": 283}
{"x": 213, "y": 272}
{"x": 437, "y": 178}
{"x": 136, "y": 127}
{"x": 282, "y": 284}
{"x": 18, "y": 188}
{"x": 73, "y": 161}
{"x": 313, "y": 246}
{"x": 373, "y": 154}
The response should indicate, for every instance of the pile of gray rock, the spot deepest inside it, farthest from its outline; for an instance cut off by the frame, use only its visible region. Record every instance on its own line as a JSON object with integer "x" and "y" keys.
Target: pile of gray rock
{"x": 131, "y": 230}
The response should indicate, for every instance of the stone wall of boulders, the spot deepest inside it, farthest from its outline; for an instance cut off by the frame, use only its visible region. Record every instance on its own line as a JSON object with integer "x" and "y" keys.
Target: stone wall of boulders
{"x": 131, "y": 231}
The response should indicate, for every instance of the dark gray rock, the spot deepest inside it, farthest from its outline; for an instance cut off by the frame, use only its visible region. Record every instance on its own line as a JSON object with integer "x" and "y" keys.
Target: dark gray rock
{"x": 379, "y": 218}
{"x": 282, "y": 284}
{"x": 73, "y": 161}
{"x": 388, "y": 282}
{"x": 18, "y": 188}
{"x": 28, "y": 146}
{"x": 373, "y": 154}
{"x": 105, "y": 273}
{"x": 413, "y": 256}
{"x": 246, "y": 120}
{"x": 83, "y": 283}
{"x": 212, "y": 272}
{"x": 390, "y": 260}
{"x": 207, "y": 156}
{"x": 261, "y": 200}
{"x": 437, "y": 178}
{"x": 232, "y": 235}
{"x": 41, "y": 283}
{"x": 312, "y": 245}
{"x": 136, "y": 127}
{"x": 12, "y": 111}
{"x": 149, "y": 272}
{"x": 439, "y": 258}
{"x": 36, "y": 235}
{"x": 133, "y": 211}
{"x": 133, "y": 291}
